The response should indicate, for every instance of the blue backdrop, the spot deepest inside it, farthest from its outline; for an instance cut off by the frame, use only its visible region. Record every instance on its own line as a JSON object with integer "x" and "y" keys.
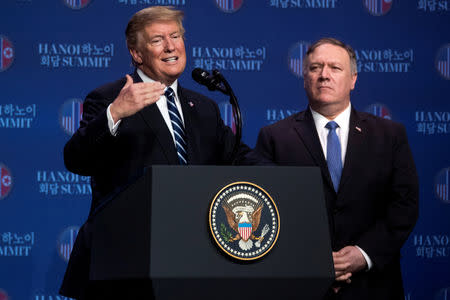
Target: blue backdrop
{"x": 54, "y": 52}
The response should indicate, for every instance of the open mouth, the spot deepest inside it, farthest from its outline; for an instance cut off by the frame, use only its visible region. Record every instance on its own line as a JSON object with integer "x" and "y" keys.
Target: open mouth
{"x": 170, "y": 59}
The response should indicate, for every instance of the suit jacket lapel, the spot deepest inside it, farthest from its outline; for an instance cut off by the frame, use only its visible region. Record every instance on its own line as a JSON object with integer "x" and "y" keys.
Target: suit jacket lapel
{"x": 187, "y": 105}
{"x": 305, "y": 127}
{"x": 155, "y": 121}
{"x": 355, "y": 146}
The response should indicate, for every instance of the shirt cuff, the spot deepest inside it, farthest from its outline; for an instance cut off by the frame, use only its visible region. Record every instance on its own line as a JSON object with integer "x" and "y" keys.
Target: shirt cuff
{"x": 112, "y": 127}
{"x": 367, "y": 258}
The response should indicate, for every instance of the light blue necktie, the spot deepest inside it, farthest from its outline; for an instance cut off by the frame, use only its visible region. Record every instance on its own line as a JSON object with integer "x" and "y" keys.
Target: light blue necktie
{"x": 177, "y": 126}
{"x": 334, "y": 154}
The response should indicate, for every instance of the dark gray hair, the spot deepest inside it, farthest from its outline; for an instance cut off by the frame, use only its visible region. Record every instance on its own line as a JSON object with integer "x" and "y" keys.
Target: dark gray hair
{"x": 335, "y": 42}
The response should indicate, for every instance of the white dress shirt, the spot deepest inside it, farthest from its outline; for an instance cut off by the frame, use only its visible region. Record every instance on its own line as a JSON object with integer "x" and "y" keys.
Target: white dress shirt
{"x": 343, "y": 121}
{"x": 161, "y": 104}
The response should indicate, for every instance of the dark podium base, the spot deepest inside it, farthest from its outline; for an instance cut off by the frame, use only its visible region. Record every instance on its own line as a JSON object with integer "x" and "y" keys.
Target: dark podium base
{"x": 224, "y": 289}
{"x": 159, "y": 235}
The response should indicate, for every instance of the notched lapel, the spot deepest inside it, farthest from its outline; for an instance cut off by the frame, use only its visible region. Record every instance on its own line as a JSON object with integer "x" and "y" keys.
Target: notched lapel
{"x": 355, "y": 146}
{"x": 306, "y": 129}
{"x": 155, "y": 121}
{"x": 153, "y": 118}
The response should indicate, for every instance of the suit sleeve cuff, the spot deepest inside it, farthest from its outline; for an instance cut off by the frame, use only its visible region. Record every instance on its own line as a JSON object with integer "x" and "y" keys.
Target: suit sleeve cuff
{"x": 112, "y": 127}
{"x": 367, "y": 258}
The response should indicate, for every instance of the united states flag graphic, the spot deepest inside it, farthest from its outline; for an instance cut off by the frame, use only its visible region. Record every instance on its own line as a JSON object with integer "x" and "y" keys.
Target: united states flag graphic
{"x": 443, "y": 62}
{"x": 296, "y": 58}
{"x": 379, "y": 110}
{"x": 442, "y": 185}
{"x": 76, "y": 4}
{"x": 378, "y": 7}
{"x": 443, "y": 294}
{"x": 226, "y": 110}
{"x": 229, "y": 5}
{"x": 67, "y": 241}
{"x": 71, "y": 116}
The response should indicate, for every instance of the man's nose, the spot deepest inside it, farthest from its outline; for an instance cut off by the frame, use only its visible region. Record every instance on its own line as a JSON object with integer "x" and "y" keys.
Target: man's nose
{"x": 325, "y": 73}
{"x": 169, "y": 45}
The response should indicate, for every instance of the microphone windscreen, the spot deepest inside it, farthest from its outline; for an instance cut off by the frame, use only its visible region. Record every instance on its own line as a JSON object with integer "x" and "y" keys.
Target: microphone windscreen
{"x": 200, "y": 75}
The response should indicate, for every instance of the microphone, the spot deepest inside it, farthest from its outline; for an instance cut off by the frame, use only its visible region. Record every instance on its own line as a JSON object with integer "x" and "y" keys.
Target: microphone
{"x": 212, "y": 82}
{"x": 218, "y": 82}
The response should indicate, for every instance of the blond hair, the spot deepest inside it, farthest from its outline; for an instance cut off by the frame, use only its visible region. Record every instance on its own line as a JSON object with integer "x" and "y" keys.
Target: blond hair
{"x": 147, "y": 16}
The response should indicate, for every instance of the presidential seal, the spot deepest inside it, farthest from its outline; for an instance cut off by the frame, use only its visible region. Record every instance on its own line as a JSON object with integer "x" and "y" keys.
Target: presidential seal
{"x": 244, "y": 221}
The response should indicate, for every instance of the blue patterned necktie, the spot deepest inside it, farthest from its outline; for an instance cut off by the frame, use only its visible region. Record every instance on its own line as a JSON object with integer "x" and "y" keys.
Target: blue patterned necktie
{"x": 177, "y": 126}
{"x": 334, "y": 154}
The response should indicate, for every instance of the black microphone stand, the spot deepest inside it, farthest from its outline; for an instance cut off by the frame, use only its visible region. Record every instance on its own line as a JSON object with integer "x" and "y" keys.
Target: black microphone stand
{"x": 236, "y": 113}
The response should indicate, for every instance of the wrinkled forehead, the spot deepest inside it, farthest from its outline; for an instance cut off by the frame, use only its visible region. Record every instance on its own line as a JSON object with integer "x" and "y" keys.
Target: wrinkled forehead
{"x": 328, "y": 53}
{"x": 158, "y": 28}
{"x": 161, "y": 27}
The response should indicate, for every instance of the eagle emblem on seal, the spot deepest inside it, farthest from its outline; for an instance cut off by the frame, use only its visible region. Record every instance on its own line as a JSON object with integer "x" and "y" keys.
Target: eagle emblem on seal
{"x": 244, "y": 220}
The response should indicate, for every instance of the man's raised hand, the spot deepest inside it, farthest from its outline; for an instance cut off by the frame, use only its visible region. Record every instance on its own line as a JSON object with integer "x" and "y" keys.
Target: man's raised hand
{"x": 135, "y": 96}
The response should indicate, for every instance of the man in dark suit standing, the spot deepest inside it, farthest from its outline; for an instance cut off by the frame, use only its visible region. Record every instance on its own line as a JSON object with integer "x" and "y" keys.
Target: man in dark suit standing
{"x": 143, "y": 119}
{"x": 369, "y": 178}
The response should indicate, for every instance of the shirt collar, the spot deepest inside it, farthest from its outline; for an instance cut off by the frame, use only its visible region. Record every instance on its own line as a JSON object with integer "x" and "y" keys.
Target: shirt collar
{"x": 145, "y": 78}
{"x": 343, "y": 119}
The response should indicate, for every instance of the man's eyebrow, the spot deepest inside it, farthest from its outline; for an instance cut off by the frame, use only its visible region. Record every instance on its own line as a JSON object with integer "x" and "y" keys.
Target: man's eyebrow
{"x": 156, "y": 36}
{"x": 160, "y": 35}
{"x": 334, "y": 63}
{"x": 326, "y": 63}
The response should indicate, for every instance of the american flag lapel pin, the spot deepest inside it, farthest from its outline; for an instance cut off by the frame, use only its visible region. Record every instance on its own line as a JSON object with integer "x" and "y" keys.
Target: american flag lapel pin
{"x": 357, "y": 128}
{"x": 191, "y": 104}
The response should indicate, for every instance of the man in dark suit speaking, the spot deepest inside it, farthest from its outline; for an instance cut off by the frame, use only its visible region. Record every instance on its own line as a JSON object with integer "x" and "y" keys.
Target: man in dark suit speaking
{"x": 143, "y": 119}
{"x": 369, "y": 178}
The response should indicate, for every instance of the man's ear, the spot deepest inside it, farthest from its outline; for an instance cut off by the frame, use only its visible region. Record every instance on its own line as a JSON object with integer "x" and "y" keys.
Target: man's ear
{"x": 136, "y": 54}
{"x": 354, "y": 77}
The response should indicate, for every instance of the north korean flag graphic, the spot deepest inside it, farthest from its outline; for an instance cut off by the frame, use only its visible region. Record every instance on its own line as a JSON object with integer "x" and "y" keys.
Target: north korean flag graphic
{"x": 5, "y": 181}
{"x": 296, "y": 56}
{"x": 66, "y": 242}
{"x": 443, "y": 61}
{"x": 71, "y": 115}
{"x": 229, "y": 5}
{"x": 3, "y": 295}
{"x": 245, "y": 230}
{"x": 378, "y": 7}
{"x": 76, "y": 4}
{"x": 442, "y": 185}
{"x": 7, "y": 53}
